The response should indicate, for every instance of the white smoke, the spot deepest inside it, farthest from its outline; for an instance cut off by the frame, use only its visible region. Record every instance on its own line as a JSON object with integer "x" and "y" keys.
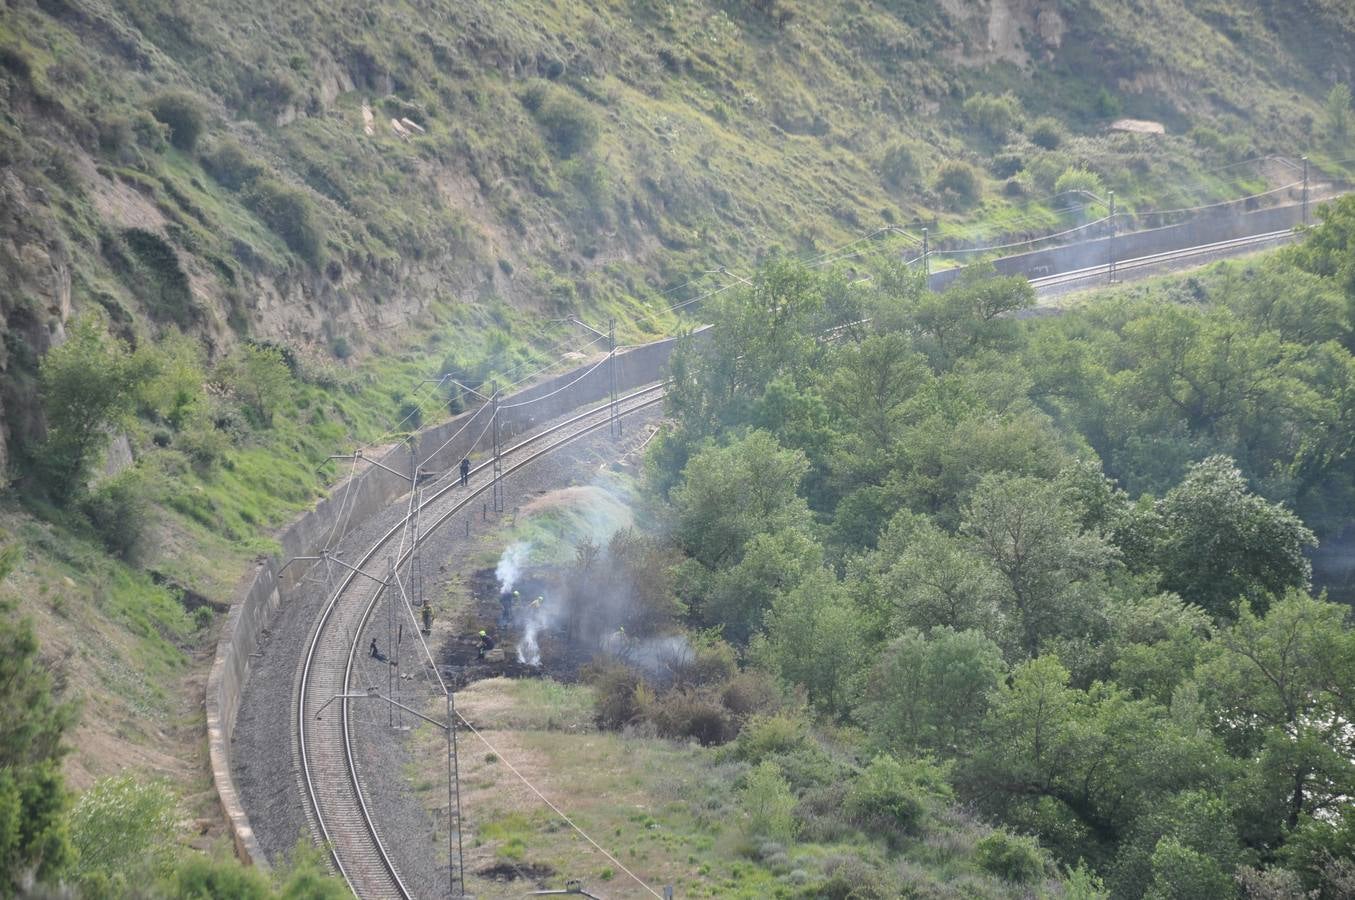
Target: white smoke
{"x": 511, "y": 564}
{"x": 536, "y": 618}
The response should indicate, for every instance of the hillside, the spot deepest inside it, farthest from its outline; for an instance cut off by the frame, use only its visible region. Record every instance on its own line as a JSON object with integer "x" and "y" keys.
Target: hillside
{"x": 255, "y": 230}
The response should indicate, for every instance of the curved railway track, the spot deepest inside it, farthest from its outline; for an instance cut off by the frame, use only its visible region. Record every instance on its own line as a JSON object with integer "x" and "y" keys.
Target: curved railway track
{"x": 335, "y": 806}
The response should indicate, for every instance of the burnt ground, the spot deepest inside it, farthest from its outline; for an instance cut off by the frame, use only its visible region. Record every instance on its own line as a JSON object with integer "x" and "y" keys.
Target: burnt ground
{"x": 453, "y": 559}
{"x": 561, "y": 659}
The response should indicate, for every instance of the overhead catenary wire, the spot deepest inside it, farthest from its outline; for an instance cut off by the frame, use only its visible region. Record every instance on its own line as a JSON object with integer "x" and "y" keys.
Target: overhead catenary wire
{"x": 563, "y": 387}
{"x": 559, "y": 812}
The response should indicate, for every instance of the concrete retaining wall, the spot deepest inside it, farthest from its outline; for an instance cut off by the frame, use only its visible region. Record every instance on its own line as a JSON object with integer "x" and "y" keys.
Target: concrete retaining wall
{"x": 348, "y": 505}
{"x": 1131, "y": 245}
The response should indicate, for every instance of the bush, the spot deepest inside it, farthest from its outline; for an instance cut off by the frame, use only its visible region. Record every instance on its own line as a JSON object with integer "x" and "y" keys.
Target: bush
{"x": 853, "y": 878}
{"x": 569, "y": 125}
{"x": 616, "y": 701}
{"x": 123, "y": 826}
{"x": 1077, "y": 180}
{"x": 231, "y": 166}
{"x": 768, "y": 804}
{"x": 958, "y": 184}
{"x": 1046, "y": 133}
{"x": 289, "y": 212}
{"x": 1107, "y": 105}
{"x": 1005, "y": 165}
{"x": 895, "y": 795}
{"x": 259, "y": 377}
{"x": 766, "y": 736}
{"x": 119, "y": 509}
{"x": 686, "y": 713}
{"x": 711, "y": 663}
{"x": 898, "y": 165}
{"x": 1013, "y": 857}
{"x": 751, "y": 693}
{"x": 994, "y": 116}
{"x": 207, "y": 878}
{"x": 183, "y": 114}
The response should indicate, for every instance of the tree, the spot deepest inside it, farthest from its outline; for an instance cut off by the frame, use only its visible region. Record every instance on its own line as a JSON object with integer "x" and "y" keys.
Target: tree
{"x": 123, "y": 833}
{"x": 771, "y": 564}
{"x": 1033, "y": 539}
{"x": 1280, "y": 689}
{"x": 1218, "y": 543}
{"x": 940, "y": 581}
{"x": 88, "y": 388}
{"x": 1083, "y": 767}
{"x": 931, "y": 692}
{"x": 731, "y": 494}
{"x": 259, "y": 377}
{"x": 33, "y": 839}
{"x": 813, "y": 639}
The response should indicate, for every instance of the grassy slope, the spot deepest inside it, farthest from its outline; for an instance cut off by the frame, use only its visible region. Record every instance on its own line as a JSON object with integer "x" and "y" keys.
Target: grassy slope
{"x": 725, "y": 131}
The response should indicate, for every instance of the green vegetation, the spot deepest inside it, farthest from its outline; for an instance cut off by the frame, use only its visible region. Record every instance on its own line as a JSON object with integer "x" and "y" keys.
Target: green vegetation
{"x": 252, "y": 266}
{"x": 1048, "y": 568}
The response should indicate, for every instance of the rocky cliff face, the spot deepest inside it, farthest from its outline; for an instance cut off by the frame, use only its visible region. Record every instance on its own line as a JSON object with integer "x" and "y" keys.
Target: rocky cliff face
{"x": 353, "y": 166}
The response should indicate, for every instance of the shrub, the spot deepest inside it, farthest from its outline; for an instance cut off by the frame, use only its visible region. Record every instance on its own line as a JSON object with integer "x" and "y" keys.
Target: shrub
{"x": 686, "y": 713}
{"x": 1013, "y": 857}
{"x": 895, "y": 795}
{"x": 1106, "y": 105}
{"x": 768, "y": 804}
{"x": 569, "y": 125}
{"x": 200, "y": 876}
{"x": 958, "y": 184}
{"x": 994, "y": 116}
{"x": 615, "y": 695}
{"x": 289, "y": 212}
{"x": 1046, "y": 133}
{"x": 766, "y": 736}
{"x": 853, "y": 878}
{"x": 202, "y": 441}
{"x": 1338, "y": 111}
{"x": 88, "y": 385}
{"x": 1005, "y": 165}
{"x": 231, "y": 166}
{"x": 183, "y": 114}
{"x": 119, "y": 509}
{"x": 1077, "y": 181}
{"x": 711, "y": 663}
{"x": 123, "y": 826}
{"x": 751, "y": 693}
{"x": 259, "y": 377}
{"x": 899, "y": 165}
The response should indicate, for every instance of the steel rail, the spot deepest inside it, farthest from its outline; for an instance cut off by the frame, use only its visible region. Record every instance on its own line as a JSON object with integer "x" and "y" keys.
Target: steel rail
{"x": 1063, "y": 279}
{"x": 360, "y": 857}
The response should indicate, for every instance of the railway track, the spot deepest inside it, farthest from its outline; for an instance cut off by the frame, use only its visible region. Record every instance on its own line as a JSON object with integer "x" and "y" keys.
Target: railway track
{"x": 1078, "y": 279}
{"x": 336, "y": 809}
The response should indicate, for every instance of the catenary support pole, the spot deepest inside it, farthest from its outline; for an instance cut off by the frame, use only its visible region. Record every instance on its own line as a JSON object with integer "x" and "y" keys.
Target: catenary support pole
{"x": 1305, "y": 190}
{"x": 1111, "y": 242}
{"x": 614, "y": 418}
{"x": 926, "y": 256}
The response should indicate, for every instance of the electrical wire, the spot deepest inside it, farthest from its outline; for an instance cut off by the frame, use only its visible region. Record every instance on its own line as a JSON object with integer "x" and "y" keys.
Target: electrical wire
{"x": 546, "y": 800}
{"x": 563, "y": 387}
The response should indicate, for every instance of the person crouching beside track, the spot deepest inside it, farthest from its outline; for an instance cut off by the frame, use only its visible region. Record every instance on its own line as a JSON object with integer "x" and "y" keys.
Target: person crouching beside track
{"x": 485, "y": 645}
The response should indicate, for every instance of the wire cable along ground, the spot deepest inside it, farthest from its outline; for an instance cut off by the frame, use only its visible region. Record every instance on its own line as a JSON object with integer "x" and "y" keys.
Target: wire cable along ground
{"x": 336, "y": 808}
